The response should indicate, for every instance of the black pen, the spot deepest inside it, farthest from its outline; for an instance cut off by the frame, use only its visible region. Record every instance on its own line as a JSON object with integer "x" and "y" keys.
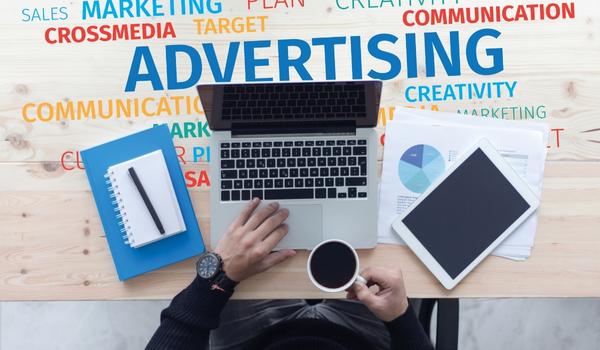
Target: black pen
{"x": 138, "y": 185}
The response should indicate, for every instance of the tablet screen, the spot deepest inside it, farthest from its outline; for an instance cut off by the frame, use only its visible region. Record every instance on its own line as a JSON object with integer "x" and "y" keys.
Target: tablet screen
{"x": 466, "y": 213}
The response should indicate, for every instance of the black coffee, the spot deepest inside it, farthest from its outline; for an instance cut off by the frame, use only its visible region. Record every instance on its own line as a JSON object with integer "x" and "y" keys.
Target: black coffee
{"x": 333, "y": 265}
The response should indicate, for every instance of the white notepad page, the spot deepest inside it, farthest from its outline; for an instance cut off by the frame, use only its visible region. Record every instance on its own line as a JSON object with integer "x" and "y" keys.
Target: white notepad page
{"x": 137, "y": 221}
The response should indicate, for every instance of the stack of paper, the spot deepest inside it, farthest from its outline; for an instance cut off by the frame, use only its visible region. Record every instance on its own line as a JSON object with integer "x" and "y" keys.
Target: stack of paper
{"x": 420, "y": 145}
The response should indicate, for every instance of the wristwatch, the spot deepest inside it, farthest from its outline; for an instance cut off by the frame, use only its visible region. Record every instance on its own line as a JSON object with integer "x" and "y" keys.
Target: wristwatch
{"x": 210, "y": 268}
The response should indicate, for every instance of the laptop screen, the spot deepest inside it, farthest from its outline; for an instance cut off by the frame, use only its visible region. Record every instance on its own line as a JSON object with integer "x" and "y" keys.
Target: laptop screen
{"x": 293, "y": 103}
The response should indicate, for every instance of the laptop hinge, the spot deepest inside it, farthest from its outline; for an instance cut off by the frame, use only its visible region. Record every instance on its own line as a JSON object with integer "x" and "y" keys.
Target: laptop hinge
{"x": 287, "y": 127}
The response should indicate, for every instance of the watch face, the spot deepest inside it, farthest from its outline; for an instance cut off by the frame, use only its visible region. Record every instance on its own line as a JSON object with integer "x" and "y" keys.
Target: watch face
{"x": 208, "y": 266}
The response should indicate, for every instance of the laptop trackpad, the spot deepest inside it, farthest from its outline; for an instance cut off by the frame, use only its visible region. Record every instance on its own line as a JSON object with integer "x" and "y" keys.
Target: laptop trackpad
{"x": 306, "y": 226}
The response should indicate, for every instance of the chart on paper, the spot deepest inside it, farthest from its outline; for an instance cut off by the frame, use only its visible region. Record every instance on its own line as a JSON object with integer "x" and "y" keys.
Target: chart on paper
{"x": 419, "y": 166}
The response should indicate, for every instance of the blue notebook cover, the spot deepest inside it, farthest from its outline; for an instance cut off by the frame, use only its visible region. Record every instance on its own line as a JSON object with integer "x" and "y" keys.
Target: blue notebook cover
{"x": 131, "y": 262}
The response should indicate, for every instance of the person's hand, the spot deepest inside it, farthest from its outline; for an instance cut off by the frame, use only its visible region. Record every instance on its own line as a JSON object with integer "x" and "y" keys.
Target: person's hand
{"x": 246, "y": 246}
{"x": 390, "y": 301}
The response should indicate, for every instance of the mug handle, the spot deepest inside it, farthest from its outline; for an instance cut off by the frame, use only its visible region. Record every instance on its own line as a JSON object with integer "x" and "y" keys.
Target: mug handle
{"x": 360, "y": 280}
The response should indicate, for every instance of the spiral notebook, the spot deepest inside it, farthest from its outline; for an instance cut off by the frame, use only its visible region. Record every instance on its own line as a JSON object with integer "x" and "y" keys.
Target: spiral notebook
{"x": 138, "y": 226}
{"x": 140, "y": 147}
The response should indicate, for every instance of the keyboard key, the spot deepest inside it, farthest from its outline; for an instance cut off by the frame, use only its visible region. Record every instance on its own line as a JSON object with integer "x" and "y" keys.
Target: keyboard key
{"x": 301, "y": 162}
{"x": 270, "y": 163}
{"x": 341, "y": 142}
{"x": 235, "y": 195}
{"x": 224, "y": 145}
{"x": 304, "y": 172}
{"x": 240, "y": 164}
{"x": 331, "y": 161}
{"x": 277, "y": 144}
{"x": 251, "y": 163}
{"x": 314, "y": 172}
{"x": 255, "y": 153}
{"x": 309, "y": 182}
{"x": 334, "y": 172}
{"x": 341, "y": 195}
{"x": 269, "y": 183}
{"x": 276, "y": 152}
{"x": 260, "y": 163}
{"x": 294, "y": 172}
{"x": 319, "y": 182}
{"x": 321, "y": 161}
{"x": 267, "y": 144}
{"x": 299, "y": 143}
{"x": 288, "y": 144}
{"x": 362, "y": 142}
{"x": 238, "y": 184}
{"x": 235, "y": 145}
{"x": 243, "y": 174}
{"x": 329, "y": 182}
{"x": 273, "y": 173}
{"x": 224, "y": 196}
{"x": 247, "y": 184}
{"x": 235, "y": 153}
{"x": 300, "y": 193}
{"x": 278, "y": 183}
{"x": 355, "y": 171}
{"x": 362, "y": 194}
{"x": 326, "y": 151}
{"x": 283, "y": 172}
{"x": 246, "y": 144}
{"x": 356, "y": 181}
{"x": 345, "y": 171}
{"x": 352, "y": 192}
{"x": 320, "y": 143}
{"x": 351, "y": 161}
{"x": 339, "y": 181}
{"x": 263, "y": 173}
{"x": 257, "y": 193}
{"x": 245, "y": 153}
{"x": 266, "y": 152}
{"x": 226, "y": 184}
{"x": 309, "y": 143}
{"x": 228, "y": 174}
{"x": 347, "y": 151}
{"x": 253, "y": 173}
{"x": 351, "y": 142}
{"x": 245, "y": 195}
{"x": 331, "y": 192}
{"x": 258, "y": 183}
{"x": 324, "y": 172}
{"x": 256, "y": 144}
{"x": 312, "y": 162}
{"x": 224, "y": 153}
{"x": 299, "y": 183}
{"x": 286, "y": 152}
{"x": 281, "y": 162}
{"x": 359, "y": 150}
{"x": 337, "y": 151}
{"x": 227, "y": 164}
{"x": 320, "y": 193}
{"x": 291, "y": 162}
{"x": 341, "y": 161}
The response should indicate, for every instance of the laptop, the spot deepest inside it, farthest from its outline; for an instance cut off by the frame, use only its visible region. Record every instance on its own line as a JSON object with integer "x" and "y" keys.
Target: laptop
{"x": 311, "y": 146}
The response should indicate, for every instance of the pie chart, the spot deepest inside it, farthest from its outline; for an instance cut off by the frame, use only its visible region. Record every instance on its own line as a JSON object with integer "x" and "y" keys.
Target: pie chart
{"x": 419, "y": 166}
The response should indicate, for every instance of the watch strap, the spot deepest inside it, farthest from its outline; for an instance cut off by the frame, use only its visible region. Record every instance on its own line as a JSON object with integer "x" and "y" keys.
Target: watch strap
{"x": 223, "y": 283}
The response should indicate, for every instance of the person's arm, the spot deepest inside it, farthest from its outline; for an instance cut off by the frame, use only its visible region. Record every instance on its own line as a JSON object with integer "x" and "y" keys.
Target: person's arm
{"x": 390, "y": 304}
{"x": 245, "y": 250}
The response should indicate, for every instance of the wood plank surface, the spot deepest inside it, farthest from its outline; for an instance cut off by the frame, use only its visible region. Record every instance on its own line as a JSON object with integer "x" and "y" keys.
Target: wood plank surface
{"x": 51, "y": 241}
{"x": 45, "y": 258}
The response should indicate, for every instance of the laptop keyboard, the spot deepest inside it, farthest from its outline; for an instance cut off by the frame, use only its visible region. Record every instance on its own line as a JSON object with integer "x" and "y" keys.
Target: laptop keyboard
{"x": 294, "y": 101}
{"x": 276, "y": 170}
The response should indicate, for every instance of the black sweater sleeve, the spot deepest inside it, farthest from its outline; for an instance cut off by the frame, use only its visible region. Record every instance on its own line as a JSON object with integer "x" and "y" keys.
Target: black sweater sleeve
{"x": 407, "y": 333}
{"x": 186, "y": 323}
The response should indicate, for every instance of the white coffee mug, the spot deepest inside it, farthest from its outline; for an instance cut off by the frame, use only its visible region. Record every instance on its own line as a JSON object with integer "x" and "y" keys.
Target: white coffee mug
{"x": 356, "y": 277}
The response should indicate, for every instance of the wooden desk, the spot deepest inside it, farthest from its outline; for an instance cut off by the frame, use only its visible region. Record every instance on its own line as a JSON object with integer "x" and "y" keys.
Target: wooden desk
{"x": 51, "y": 241}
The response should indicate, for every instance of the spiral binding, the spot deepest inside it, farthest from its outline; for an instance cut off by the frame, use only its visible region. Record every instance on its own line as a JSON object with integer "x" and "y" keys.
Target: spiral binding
{"x": 119, "y": 208}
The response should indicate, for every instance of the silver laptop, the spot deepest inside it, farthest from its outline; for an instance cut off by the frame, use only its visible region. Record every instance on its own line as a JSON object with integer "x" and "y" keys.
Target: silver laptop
{"x": 311, "y": 146}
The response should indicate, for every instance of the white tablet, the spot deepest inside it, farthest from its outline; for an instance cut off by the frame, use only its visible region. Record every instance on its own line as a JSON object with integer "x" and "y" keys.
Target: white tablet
{"x": 466, "y": 213}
